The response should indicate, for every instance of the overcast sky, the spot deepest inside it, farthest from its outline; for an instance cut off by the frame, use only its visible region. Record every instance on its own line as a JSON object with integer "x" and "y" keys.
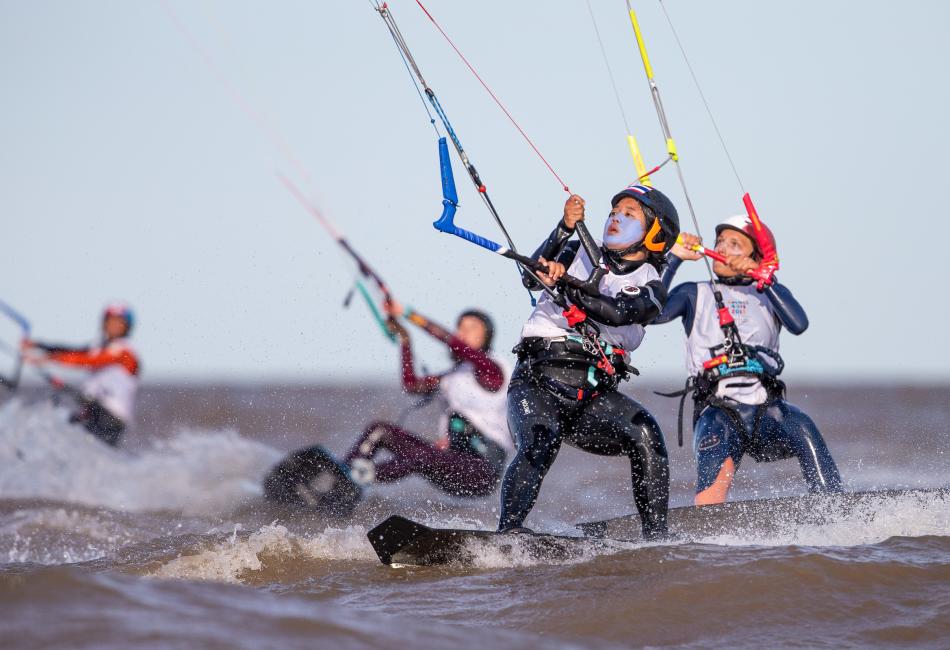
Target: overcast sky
{"x": 129, "y": 170}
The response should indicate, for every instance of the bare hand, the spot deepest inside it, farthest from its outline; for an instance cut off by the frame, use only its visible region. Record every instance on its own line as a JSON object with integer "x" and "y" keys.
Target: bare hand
{"x": 741, "y": 263}
{"x": 32, "y": 358}
{"x": 684, "y": 250}
{"x": 393, "y": 309}
{"x": 555, "y": 271}
{"x": 573, "y": 211}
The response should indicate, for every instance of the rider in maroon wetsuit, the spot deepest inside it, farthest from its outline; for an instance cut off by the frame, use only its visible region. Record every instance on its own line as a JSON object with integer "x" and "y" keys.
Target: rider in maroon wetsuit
{"x": 468, "y": 460}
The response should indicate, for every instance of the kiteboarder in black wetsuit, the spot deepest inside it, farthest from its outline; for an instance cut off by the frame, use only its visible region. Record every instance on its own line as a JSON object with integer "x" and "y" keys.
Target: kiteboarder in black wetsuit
{"x": 564, "y": 387}
{"x": 741, "y": 410}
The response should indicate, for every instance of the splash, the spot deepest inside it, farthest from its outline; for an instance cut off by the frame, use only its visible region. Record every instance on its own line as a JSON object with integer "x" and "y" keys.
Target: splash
{"x": 512, "y": 551}
{"x": 270, "y": 554}
{"x": 193, "y": 472}
{"x": 58, "y": 536}
{"x": 864, "y": 519}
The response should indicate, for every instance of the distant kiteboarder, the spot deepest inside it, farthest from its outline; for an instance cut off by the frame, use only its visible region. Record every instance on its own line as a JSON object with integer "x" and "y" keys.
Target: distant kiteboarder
{"x": 469, "y": 457}
{"x": 466, "y": 461}
{"x": 106, "y": 399}
{"x": 733, "y": 363}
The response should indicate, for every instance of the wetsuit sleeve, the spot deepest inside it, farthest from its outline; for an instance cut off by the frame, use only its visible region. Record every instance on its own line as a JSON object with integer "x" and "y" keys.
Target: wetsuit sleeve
{"x": 97, "y": 358}
{"x": 55, "y": 347}
{"x": 789, "y": 311}
{"x": 488, "y": 373}
{"x": 638, "y": 305}
{"x": 411, "y": 382}
{"x": 669, "y": 270}
{"x": 681, "y": 303}
{"x": 555, "y": 247}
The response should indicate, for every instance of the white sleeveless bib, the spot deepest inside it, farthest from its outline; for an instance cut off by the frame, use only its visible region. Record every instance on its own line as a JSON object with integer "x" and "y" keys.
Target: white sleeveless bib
{"x": 113, "y": 386}
{"x": 547, "y": 321}
{"x": 487, "y": 411}
{"x": 757, "y": 325}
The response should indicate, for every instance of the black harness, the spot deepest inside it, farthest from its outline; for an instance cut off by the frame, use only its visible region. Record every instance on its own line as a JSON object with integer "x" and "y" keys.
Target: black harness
{"x": 573, "y": 367}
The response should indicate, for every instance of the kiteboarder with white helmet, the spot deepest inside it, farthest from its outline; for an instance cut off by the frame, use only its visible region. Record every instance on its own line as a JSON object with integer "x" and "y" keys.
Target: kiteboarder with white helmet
{"x": 732, "y": 340}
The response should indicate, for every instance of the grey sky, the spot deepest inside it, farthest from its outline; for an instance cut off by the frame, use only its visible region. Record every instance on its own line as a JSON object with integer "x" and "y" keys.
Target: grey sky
{"x": 128, "y": 171}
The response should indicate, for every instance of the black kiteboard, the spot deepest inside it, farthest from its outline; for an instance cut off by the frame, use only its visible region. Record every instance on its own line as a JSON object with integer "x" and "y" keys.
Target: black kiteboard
{"x": 402, "y": 541}
{"x": 756, "y": 516}
{"x": 312, "y": 478}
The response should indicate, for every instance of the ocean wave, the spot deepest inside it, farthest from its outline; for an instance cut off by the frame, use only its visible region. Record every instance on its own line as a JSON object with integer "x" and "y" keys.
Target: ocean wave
{"x": 270, "y": 554}
{"x": 192, "y": 472}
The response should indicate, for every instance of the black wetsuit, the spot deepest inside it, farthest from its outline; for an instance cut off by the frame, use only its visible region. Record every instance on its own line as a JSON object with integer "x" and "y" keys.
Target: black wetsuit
{"x": 550, "y": 401}
{"x": 774, "y": 430}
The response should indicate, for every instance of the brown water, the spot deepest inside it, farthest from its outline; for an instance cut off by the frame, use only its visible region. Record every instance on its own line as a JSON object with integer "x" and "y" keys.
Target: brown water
{"x": 167, "y": 543}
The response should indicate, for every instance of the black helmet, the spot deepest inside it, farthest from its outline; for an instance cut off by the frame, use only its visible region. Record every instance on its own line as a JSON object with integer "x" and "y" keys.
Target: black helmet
{"x": 662, "y": 233}
{"x": 486, "y": 321}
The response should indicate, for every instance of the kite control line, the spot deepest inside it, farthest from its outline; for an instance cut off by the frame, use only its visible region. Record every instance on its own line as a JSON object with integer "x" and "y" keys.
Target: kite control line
{"x": 23, "y": 324}
{"x": 577, "y": 319}
{"x": 364, "y": 268}
{"x": 664, "y": 122}
{"x": 643, "y": 176}
{"x": 493, "y": 96}
{"x": 386, "y": 15}
{"x": 764, "y": 274}
{"x": 736, "y": 357}
{"x": 446, "y": 222}
{"x": 13, "y": 381}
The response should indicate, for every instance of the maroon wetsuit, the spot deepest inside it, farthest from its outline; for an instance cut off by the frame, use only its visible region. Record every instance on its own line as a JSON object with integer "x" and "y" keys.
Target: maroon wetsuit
{"x": 470, "y": 464}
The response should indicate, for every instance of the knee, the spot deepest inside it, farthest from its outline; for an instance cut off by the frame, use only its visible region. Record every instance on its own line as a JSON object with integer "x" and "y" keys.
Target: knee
{"x": 379, "y": 426}
{"x": 375, "y": 434}
{"x": 649, "y": 433}
{"x": 803, "y": 428}
{"x": 538, "y": 445}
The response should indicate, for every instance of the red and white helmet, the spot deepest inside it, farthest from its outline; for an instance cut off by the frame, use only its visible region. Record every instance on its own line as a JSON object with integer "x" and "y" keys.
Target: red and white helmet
{"x": 122, "y": 310}
{"x": 743, "y": 224}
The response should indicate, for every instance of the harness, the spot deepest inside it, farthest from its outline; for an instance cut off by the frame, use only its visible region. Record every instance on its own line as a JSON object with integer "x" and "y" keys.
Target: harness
{"x": 574, "y": 367}
{"x": 735, "y": 359}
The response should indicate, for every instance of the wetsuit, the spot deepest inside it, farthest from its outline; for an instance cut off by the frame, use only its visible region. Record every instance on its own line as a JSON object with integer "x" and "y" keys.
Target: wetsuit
{"x": 745, "y": 413}
{"x": 471, "y": 462}
{"x": 107, "y": 397}
{"x": 557, "y": 393}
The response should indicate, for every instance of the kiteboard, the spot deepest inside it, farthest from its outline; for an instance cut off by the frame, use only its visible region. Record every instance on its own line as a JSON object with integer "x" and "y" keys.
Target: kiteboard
{"x": 756, "y": 516}
{"x": 398, "y": 540}
{"x": 312, "y": 478}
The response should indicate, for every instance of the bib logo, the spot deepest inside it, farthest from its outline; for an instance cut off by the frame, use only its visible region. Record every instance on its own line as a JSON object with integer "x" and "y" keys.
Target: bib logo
{"x": 708, "y": 442}
{"x": 738, "y": 307}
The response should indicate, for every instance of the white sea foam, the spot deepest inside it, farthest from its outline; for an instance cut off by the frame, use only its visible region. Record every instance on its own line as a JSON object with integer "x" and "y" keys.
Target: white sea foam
{"x": 59, "y": 535}
{"x": 230, "y": 560}
{"x": 870, "y": 519}
{"x": 193, "y": 472}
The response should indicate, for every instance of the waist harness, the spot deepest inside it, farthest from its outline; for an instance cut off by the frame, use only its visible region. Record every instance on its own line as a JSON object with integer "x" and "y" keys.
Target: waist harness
{"x": 749, "y": 361}
{"x": 572, "y": 366}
